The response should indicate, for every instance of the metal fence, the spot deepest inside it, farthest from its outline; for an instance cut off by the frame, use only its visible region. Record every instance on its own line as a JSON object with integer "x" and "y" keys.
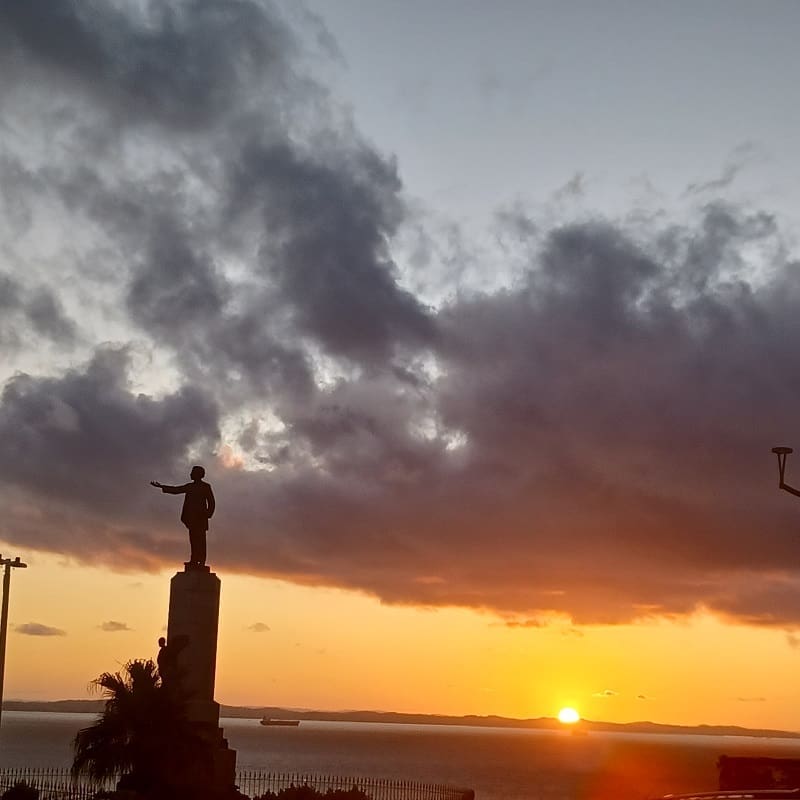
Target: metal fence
{"x": 257, "y": 783}
{"x": 58, "y": 784}
{"x": 52, "y": 784}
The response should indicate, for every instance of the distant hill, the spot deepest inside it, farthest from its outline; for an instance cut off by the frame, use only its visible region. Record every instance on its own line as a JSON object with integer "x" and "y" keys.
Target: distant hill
{"x": 490, "y": 721}
{"x": 58, "y": 706}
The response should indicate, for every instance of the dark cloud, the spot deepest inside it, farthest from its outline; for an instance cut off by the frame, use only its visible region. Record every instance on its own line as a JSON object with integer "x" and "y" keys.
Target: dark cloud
{"x": 752, "y": 699}
{"x": 604, "y": 409}
{"x": 37, "y": 629}
{"x": 35, "y": 309}
{"x": 331, "y": 223}
{"x": 177, "y": 64}
{"x": 112, "y": 626}
{"x": 606, "y": 693}
{"x": 87, "y": 426}
{"x": 306, "y": 224}
{"x": 177, "y": 287}
{"x": 9, "y": 294}
{"x": 78, "y": 445}
{"x": 47, "y": 317}
{"x": 589, "y": 441}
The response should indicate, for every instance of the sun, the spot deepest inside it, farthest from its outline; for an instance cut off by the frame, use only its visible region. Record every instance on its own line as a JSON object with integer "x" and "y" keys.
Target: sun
{"x": 569, "y": 716}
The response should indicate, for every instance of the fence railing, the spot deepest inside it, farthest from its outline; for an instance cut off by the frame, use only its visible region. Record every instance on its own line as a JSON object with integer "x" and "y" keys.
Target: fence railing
{"x": 58, "y": 784}
{"x": 257, "y": 784}
{"x": 52, "y": 784}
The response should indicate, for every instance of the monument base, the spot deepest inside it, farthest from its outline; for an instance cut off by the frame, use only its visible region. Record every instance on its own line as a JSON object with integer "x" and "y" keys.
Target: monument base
{"x": 212, "y": 773}
{"x": 192, "y": 632}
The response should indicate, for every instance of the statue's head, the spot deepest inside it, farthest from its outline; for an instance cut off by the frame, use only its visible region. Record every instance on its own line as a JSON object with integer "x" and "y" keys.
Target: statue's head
{"x": 161, "y": 641}
{"x": 197, "y": 473}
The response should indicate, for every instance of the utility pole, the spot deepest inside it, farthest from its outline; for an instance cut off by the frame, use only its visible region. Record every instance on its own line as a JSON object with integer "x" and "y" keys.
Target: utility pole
{"x": 8, "y": 563}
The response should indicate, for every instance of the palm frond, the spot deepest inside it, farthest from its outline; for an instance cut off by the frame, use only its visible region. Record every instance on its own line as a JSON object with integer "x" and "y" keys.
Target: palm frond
{"x": 141, "y": 731}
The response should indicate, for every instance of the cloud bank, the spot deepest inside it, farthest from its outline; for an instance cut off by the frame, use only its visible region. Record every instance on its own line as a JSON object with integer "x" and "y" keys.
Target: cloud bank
{"x": 201, "y": 260}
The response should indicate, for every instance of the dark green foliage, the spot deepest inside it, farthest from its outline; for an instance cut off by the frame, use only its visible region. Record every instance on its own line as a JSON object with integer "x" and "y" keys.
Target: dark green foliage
{"x": 350, "y": 794}
{"x": 142, "y": 733}
{"x": 306, "y": 792}
{"x": 21, "y": 791}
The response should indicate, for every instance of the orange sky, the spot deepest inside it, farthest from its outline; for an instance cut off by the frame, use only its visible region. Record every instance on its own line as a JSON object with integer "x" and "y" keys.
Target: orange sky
{"x": 333, "y": 649}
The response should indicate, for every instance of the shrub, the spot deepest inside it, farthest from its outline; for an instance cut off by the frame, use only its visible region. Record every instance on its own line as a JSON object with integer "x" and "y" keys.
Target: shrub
{"x": 306, "y": 792}
{"x": 21, "y": 791}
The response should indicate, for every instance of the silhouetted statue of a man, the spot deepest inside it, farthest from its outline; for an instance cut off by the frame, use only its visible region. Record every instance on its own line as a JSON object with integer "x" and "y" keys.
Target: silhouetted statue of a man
{"x": 198, "y": 508}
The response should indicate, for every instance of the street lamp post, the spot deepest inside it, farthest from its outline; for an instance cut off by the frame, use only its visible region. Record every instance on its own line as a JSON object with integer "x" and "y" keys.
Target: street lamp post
{"x": 8, "y": 563}
{"x": 782, "y": 452}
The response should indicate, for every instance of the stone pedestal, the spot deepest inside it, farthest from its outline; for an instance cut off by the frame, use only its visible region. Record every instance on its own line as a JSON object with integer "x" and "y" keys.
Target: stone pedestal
{"x": 192, "y": 632}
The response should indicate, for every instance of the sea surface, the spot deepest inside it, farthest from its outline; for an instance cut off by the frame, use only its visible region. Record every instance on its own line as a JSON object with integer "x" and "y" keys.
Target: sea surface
{"x": 498, "y": 763}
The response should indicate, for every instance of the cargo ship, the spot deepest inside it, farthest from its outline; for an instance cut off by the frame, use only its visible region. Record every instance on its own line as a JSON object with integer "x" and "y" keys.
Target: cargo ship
{"x": 286, "y": 723}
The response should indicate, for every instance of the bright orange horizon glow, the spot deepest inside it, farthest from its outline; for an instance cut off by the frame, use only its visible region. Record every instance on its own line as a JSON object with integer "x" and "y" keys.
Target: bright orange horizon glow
{"x": 328, "y": 649}
{"x": 569, "y": 716}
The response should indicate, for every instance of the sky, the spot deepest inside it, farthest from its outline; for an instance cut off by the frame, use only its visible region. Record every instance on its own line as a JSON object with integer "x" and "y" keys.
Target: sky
{"x": 481, "y": 318}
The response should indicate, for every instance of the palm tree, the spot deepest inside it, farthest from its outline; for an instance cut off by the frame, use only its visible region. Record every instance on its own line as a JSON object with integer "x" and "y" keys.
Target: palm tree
{"x": 142, "y": 733}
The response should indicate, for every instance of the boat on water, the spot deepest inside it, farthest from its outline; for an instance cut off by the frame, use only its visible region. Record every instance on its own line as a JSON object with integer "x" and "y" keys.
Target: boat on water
{"x": 286, "y": 723}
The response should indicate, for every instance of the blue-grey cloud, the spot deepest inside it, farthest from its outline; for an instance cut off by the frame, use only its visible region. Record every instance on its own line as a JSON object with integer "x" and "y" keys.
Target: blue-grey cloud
{"x": 259, "y": 627}
{"x": 112, "y": 626}
{"x": 38, "y": 629}
{"x": 83, "y": 441}
{"x": 175, "y": 65}
{"x": 32, "y": 311}
{"x": 89, "y": 417}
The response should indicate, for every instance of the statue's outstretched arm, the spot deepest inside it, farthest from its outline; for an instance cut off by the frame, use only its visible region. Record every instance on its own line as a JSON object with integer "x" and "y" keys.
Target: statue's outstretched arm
{"x": 174, "y": 489}
{"x": 786, "y": 488}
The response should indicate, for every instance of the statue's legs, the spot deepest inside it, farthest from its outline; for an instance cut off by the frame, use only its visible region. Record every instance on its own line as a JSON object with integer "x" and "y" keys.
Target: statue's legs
{"x": 197, "y": 541}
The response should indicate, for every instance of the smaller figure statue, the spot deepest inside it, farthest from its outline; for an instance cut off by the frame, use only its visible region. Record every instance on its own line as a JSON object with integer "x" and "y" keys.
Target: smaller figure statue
{"x": 167, "y": 659}
{"x": 198, "y": 508}
{"x": 162, "y": 659}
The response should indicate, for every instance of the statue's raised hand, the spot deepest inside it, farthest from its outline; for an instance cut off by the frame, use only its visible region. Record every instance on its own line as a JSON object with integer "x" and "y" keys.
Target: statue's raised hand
{"x": 156, "y": 484}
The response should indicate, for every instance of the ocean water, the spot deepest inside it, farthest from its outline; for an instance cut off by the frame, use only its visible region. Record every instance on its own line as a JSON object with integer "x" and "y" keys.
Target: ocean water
{"x": 498, "y": 763}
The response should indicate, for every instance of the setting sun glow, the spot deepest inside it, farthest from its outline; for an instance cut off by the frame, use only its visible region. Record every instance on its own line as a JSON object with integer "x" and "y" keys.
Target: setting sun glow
{"x": 569, "y": 716}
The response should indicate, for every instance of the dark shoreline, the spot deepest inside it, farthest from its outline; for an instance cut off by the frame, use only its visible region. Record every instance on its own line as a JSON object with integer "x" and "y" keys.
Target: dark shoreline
{"x": 540, "y": 723}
